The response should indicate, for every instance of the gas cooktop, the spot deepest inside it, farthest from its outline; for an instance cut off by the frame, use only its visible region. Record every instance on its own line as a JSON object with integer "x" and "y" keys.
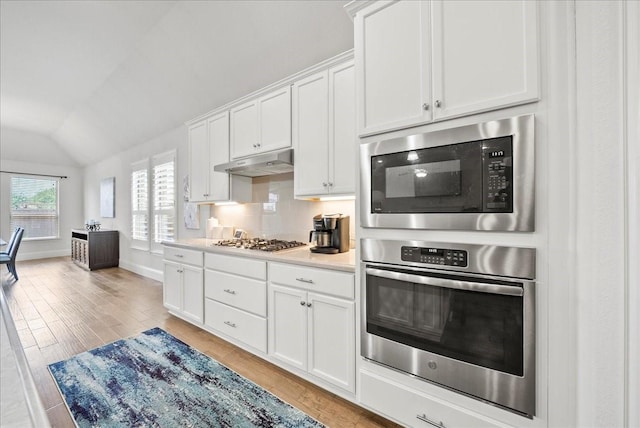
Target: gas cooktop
{"x": 259, "y": 244}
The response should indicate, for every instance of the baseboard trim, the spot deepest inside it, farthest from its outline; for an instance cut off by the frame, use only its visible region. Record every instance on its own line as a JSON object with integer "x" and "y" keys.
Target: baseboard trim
{"x": 142, "y": 270}
{"x": 43, "y": 254}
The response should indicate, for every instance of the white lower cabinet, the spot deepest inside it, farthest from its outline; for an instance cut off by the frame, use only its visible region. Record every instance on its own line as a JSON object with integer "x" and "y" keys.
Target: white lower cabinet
{"x": 311, "y": 330}
{"x": 415, "y": 409}
{"x": 182, "y": 286}
{"x": 235, "y": 292}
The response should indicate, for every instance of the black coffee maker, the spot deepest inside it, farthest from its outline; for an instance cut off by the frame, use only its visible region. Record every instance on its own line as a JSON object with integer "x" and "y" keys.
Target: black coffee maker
{"x": 330, "y": 234}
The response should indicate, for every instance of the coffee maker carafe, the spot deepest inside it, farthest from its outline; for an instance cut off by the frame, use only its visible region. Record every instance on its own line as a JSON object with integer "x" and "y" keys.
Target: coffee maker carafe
{"x": 330, "y": 234}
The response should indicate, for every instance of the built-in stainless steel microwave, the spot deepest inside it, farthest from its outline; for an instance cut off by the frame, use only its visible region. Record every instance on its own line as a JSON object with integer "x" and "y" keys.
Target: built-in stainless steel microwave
{"x": 475, "y": 177}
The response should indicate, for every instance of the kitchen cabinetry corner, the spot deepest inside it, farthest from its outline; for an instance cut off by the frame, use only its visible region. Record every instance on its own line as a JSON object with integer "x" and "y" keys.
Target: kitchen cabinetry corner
{"x": 183, "y": 284}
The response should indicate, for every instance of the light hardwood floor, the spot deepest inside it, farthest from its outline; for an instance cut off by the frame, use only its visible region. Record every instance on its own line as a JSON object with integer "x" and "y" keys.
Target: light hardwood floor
{"x": 61, "y": 310}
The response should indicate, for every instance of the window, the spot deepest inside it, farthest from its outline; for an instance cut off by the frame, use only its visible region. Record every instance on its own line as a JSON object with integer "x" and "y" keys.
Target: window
{"x": 34, "y": 206}
{"x": 140, "y": 205}
{"x": 153, "y": 202}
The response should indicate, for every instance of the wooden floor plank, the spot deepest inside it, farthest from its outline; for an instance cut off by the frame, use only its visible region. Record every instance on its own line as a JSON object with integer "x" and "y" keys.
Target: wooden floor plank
{"x": 61, "y": 310}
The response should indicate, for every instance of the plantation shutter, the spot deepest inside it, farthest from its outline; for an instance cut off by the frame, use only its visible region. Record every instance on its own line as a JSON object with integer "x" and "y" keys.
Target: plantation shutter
{"x": 34, "y": 206}
{"x": 140, "y": 205}
{"x": 164, "y": 199}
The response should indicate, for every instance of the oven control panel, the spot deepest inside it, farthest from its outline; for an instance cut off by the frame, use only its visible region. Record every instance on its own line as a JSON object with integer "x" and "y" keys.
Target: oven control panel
{"x": 435, "y": 256}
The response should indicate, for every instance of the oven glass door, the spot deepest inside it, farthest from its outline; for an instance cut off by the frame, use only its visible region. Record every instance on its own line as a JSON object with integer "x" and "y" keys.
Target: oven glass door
{"x": 452, "y": 319}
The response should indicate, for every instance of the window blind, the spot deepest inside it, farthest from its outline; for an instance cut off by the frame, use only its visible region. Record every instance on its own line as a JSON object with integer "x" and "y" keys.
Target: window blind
{"x": 34, "y": 206}
{"x": 140, "y": 204}
{"x": 164, "y": 200}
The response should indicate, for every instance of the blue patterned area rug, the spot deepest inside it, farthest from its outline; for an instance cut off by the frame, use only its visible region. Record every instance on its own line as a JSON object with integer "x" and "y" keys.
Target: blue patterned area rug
{"x": 155, "y": 380}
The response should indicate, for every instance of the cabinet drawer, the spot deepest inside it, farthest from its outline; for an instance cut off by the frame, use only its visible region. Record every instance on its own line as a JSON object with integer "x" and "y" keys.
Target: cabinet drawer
{"x": 236, "y": 265}
{"x": 317, "y": 280}
{"x": 240, "y": 325}
{"x": 240, "y": 292}
{"x": 410, "y": 407}
{"x": 182, "y": 255}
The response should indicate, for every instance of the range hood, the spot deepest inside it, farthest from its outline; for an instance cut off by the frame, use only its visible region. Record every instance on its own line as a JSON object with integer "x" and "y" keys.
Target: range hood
{"x": 270, "y": 163}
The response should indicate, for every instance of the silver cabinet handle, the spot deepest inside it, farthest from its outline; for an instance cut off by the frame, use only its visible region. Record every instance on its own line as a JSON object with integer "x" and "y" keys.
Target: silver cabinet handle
{"x": 179, "y": 270}
{"x": 425, "y": 106}
{"x": 308, "y": 281}
{"x": 206, "y": 195}
{"x": 324, "y": 184}
{"x": 302, "y": 303}
{"x": 180, "y": 255}
{"x": 330, "y": 184}
{"x": 424, "y": 418}
{"x": 230, "y": 324}
{"x": 227, "y": 290}
{"x": 438, "y": 104}
{"x": 309, "y": 305}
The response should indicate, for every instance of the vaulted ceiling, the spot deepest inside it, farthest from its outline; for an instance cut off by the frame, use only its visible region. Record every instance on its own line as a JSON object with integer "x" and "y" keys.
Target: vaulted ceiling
{"x": 97, "y": 77}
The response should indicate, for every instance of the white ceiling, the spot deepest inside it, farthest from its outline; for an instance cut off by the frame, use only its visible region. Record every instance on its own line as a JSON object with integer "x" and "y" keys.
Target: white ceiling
{"x": 98, "y": 77}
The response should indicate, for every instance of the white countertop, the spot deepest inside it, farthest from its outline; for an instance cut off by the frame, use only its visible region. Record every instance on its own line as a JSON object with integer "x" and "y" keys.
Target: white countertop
{"x": 300, "y": 255}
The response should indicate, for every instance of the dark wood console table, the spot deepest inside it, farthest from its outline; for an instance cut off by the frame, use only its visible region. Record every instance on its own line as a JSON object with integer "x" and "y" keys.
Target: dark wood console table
{"x": 95, "y": 249}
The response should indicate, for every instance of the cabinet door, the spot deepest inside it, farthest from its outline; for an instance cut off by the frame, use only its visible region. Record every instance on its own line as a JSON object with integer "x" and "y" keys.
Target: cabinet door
{"x": 275, "y": 120}
{"x": 219, "y": 153}
{"x": 198, "y": 162}
{"x": 244, "y": 129}
{"x": 172, "y": 286}
{"x": 193, "y": 292}
{"x": 392, "y": 46}
{"x": 343, "y": 142}
{"x": 485, "y": 55}
{"x": 288, "y": 325}
{"x": 311, "y": 134}
{"x": 332, "y": 340}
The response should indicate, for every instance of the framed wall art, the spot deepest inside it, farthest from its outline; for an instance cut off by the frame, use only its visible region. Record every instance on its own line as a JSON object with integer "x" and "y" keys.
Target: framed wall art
{"x": 108, "y": 197}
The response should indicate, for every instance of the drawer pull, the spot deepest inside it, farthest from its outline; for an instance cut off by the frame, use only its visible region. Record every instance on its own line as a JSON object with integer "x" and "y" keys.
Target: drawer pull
{"x": 308, "y": 281}
{"x": 230, "y": 324}
{"x": 179, "y": 270}
{"x": 309, "y": 305}
{"x": 302, "y": 303}
{"x": 227, "y": 290}
{"x": 424, "y": 418}
{"x": 180, "y": 255}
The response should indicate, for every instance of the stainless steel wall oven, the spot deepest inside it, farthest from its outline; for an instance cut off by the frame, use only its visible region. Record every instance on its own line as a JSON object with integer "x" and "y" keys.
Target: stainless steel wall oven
{"x": 459, "y": 315}
{"x": 475, "y": 177}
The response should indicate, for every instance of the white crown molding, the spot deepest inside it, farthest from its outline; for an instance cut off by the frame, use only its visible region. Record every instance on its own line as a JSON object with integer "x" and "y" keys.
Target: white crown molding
{"x": 355, "y": 6}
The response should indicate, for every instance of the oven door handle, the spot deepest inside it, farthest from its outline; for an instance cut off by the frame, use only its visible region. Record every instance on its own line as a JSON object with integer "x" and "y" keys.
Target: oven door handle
{"x": 448, "y": 283}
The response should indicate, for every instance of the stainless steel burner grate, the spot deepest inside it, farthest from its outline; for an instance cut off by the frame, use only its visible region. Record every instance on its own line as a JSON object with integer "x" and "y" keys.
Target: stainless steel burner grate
{"x": 259, "y": 244}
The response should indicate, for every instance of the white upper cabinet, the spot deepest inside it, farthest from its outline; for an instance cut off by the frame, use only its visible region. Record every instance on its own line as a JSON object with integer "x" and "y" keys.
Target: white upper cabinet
{"x": 261, "y": 125}
{"x": 420, "y": 61}
{"x": 208, "y": 146}
{"x": 484, "y": 55}
{"x": 324, "y": 132}
{"x": 343, "y": 141}
{"x": 198, "y": 162}
{"x": 218, "y": 126}
{"x": 393, "y": 51}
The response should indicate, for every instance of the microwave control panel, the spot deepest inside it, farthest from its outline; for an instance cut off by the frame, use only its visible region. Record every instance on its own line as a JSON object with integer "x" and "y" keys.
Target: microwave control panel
{"x": 497, "y": 162}
{"x": 434, "y": 256}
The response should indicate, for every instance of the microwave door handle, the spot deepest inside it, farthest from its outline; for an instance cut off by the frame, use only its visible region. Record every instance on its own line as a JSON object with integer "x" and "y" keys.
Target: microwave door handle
{"x": 448, "y": 283}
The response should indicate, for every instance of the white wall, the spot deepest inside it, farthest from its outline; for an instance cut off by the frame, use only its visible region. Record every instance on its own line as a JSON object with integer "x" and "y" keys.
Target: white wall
{"x": 34, "y": 153}
{"x": 119, "y": 166}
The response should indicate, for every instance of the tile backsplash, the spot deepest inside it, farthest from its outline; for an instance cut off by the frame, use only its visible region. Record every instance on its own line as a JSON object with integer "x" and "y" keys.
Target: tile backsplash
{"x": 274, "y": 213}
